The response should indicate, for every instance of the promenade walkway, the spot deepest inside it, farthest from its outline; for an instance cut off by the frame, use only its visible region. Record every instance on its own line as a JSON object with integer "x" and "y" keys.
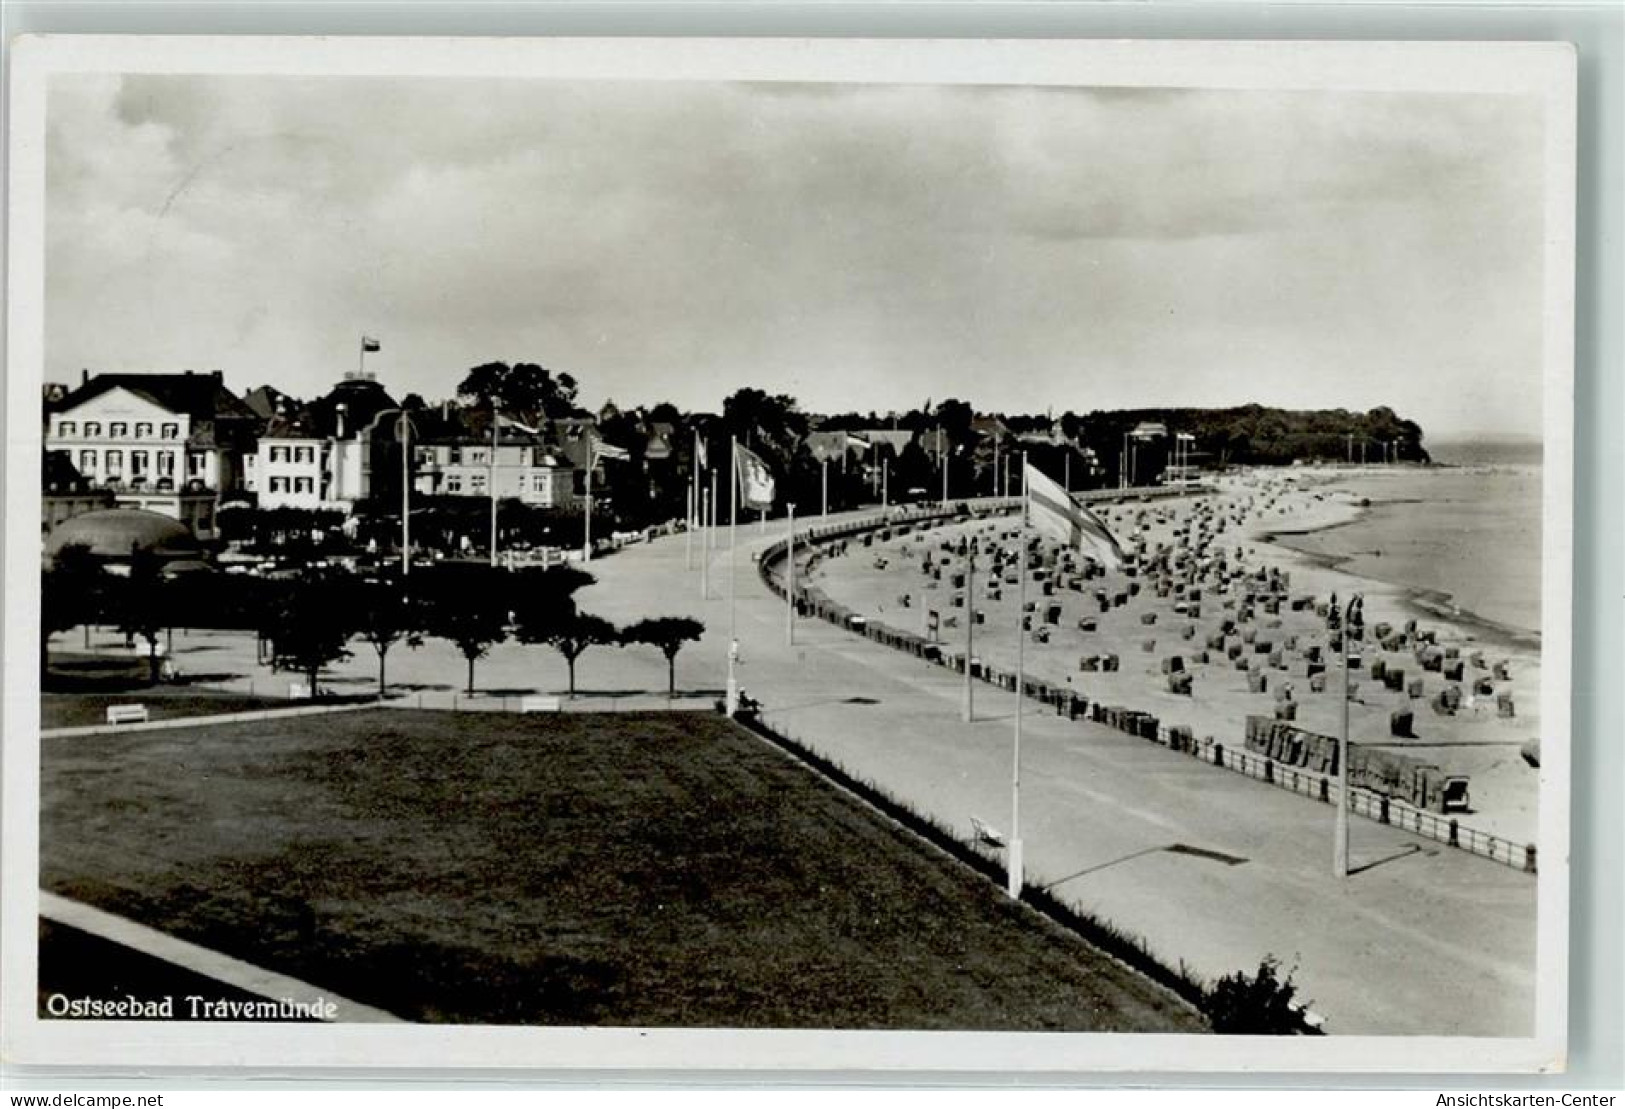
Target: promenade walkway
{"x": 1210, "y": 867}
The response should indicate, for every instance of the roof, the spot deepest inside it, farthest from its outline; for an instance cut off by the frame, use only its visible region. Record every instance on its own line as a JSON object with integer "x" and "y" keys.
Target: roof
{"x": 58, "y": 474}
{"x": 361, "y": 401}
{"x": 830, "y": 444}
{"x": 202, "y": 396}
{"x": 896, "y": 440}
{"x": 115, "y": 532}
{"x": 266, "y": 401}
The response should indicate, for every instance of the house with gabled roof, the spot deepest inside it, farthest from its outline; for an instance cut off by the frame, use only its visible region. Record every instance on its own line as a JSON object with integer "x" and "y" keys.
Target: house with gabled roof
{"x": 172, "y": 443}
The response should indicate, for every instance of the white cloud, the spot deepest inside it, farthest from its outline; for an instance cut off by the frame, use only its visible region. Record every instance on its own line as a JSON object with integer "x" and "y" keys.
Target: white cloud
{"x": 861, "y": 247}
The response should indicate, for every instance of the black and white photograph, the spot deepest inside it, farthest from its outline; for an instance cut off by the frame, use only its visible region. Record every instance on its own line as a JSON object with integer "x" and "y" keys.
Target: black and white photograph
{"x": 1041, "y": 555}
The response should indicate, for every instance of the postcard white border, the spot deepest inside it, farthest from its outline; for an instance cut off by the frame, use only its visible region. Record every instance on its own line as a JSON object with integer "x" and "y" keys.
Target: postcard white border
{"x": 1546, "y": 70}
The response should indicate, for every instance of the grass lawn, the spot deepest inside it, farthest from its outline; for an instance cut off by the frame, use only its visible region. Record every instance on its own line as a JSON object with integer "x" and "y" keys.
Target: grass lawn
{"x": 641, "y": 869}
{"x": 74, "y": 710}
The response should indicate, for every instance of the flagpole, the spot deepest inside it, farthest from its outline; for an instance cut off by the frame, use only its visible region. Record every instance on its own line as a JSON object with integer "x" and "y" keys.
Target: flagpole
{"x": 688, "y": 525}
{"x": 732, "y": 702}
{"x": 406, "y": 489}
{"x": 1014, "y": 878}
{"x": 496, "y": 420}
{"x": 790, "y": 578}
{"x": 824, "y": 483}
{"x": 586, "y": 540}
{"x": 705, "y": 547}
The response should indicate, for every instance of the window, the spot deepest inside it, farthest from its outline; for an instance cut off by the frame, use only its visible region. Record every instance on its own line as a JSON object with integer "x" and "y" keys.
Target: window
{"x": 65, "y": 428}
{"x": 115, "y": 463}
{"x": 539, "y": 483}
{"x": 92, "y": 429}
{"x": 138, "y": 463}
{"x": 194, "y": 465}
{"x": 454, "y": 483}
{"x": 279, "y": 485}
{"x": 143, "y": 431}
{"x": 118, "y": 430}
{"x": 304, "y": 455}
{"x": 171, "y": 431}
{"x": 279, "y": 454}
{"x": 166, "y": 463}
{"x": 87, "y": 462}
{"x": 476, "y": 483}
{"x": 303, "y": 485}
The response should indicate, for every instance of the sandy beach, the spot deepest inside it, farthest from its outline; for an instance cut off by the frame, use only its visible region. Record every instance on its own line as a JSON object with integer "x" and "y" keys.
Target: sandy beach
{"x": 1301, "y": 524}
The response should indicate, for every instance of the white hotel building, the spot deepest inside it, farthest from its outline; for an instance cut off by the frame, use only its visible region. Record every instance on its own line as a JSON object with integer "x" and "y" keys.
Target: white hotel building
{"x": 170, "y": 443}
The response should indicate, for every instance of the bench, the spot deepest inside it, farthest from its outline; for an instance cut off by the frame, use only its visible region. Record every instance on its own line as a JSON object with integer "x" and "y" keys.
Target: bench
{"x": 538, "y": 704}
{"x": 126, "y": 714}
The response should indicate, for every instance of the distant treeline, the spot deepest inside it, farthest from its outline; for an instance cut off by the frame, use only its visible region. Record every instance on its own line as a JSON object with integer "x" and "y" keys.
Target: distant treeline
{"x": 1255, "y": 435}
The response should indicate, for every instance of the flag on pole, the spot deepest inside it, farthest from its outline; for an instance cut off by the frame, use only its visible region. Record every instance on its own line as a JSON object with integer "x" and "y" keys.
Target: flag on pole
{"x": 369, "y": 344}
{"x": 700, "y": 461}
{"x": 755, "y": 480}
{"x": 1056, "y": 512}
{"x": 506, "y": 421}
{"x": 601, "y": 449}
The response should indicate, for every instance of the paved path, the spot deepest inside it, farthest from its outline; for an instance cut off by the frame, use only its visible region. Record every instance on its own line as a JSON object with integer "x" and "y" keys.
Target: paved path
{"x": 1423, "y": 940}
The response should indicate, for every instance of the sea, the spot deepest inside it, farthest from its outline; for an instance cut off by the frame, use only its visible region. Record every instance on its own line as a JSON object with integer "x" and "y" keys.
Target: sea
{"x": 1464, "y": 536}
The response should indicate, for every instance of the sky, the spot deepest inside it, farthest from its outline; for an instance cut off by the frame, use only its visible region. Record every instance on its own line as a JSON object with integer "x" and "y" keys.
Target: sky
{"x": 861, "y": 247}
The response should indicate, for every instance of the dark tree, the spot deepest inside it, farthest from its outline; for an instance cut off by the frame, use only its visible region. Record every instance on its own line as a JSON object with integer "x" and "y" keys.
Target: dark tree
{"x": 467, "y": 606}
{"x": 567, "y": 631}
{"x": 525, "y": 391}
{"x": 771, "y": 425}
{"x": 141, "y": 603}
{"x": 71, "y": 591}
{"x": 385, "y": 616}
{"x": 311, "y": 624}
{"x": 668, "y": 633}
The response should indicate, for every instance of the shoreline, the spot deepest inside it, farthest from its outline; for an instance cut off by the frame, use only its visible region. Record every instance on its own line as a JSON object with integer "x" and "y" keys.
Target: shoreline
{"x": 1421, "y": 601}
{"x": 1431, "y": 604}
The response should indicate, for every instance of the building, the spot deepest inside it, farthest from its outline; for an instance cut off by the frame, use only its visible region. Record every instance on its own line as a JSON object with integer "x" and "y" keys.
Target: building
{"x": 330, "y": 453}
{"x": 65, "y": 493}
{"x": 171, "y": 443}
{"x": 455, "y": 461}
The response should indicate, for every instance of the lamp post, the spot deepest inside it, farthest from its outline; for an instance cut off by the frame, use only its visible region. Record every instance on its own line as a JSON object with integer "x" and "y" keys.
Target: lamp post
{"x": 967, "y": 708}
{"x": 1351, "y": 620}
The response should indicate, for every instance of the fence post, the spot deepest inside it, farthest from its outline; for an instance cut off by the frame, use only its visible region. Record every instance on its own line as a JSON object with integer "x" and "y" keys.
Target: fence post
{"x": 1384, "y": 816}
{"x": 1269, "y": 771}
{"x": 1529, "y": 858}
{"x": 1455, "y": 837}
{"x": 1326, "y": 791}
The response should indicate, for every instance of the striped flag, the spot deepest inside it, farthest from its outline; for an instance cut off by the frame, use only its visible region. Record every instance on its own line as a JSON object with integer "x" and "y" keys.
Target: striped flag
{"x": 505, "y": 421}
{"x": 369, "y": 344}
{"x": 1060, "y": 515}
{"x": 755, "y": 479}
{"x": 700, "y": 460}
